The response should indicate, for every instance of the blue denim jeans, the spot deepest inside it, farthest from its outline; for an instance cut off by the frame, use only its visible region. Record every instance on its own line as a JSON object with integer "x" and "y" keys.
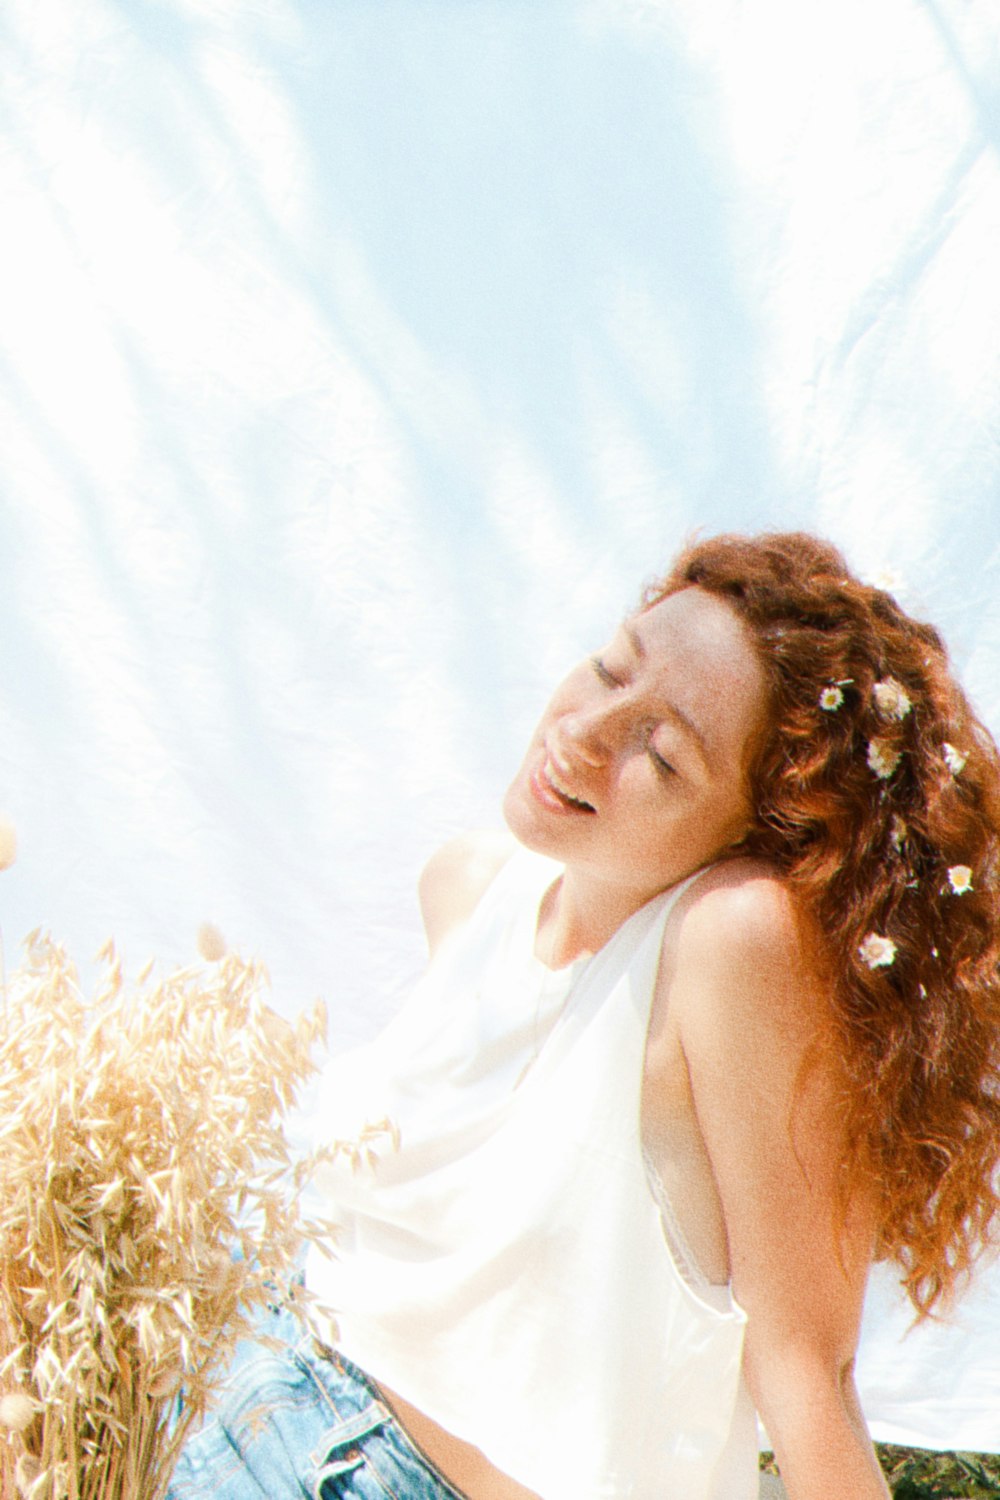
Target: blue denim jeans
{"x": 302, "y": 1423}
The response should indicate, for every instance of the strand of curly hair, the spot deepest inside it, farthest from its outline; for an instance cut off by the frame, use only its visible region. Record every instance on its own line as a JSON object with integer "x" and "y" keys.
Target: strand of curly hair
{"x": 877, "y": 796}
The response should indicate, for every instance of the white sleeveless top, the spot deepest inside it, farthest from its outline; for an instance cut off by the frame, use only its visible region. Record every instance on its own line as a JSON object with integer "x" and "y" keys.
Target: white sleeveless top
{"x": 506, "y": 1269}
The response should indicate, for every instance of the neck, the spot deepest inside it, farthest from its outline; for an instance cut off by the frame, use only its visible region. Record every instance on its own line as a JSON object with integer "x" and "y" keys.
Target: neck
{"x": 579, "y": 915}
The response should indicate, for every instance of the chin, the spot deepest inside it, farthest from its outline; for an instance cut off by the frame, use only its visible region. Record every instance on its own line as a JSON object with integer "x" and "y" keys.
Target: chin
{"x": 521, "y": 817}
{"x": 517, "y": 814}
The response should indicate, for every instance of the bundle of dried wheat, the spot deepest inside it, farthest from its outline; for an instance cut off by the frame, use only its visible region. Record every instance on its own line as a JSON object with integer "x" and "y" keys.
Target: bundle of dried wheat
{"x": 148, "y": 1206}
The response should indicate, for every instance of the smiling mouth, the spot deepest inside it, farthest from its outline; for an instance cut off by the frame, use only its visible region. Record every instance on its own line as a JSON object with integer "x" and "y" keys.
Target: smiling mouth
{"x": 566, "y": 798}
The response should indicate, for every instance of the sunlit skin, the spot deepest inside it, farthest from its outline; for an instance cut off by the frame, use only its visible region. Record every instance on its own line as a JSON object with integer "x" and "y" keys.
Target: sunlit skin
{"x": 635, "y": 778}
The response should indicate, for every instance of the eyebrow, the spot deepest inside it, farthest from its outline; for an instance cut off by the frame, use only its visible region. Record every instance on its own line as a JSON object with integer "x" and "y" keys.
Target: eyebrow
{"x": 671, "y": 709}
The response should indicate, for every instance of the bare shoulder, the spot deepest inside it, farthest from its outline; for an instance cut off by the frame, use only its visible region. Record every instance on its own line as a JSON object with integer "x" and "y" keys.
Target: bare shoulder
{"x": 738, "y": 905}
{"x": 742, "y": 954}
{"x": 455, "y": 877}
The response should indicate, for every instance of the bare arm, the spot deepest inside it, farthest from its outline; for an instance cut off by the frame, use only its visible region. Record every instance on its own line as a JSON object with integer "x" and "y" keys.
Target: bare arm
{"x": 754, "y": 1027}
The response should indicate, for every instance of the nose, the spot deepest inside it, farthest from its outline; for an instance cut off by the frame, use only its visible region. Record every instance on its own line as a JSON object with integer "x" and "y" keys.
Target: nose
{"x": 583, "y": 737}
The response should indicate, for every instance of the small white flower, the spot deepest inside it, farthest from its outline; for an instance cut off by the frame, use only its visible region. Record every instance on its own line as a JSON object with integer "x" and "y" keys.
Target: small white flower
{"x": 878, "y": 952}
{"x": 17, "y": 1411}
{"x": 831, "y": 698}
{"x": 897, "y": 832}
{"x": 960, "y": 879}
{"x": 954, "y": 759}
{"x": 882, "y": 759}
{"x": 891, "y": 699}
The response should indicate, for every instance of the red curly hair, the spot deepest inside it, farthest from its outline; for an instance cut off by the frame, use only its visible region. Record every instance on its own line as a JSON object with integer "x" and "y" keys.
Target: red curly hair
{"x": 876, "y": 795}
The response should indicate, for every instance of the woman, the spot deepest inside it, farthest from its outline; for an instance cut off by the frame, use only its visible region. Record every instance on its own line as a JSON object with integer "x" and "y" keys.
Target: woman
{"x": 668, "y": 1089}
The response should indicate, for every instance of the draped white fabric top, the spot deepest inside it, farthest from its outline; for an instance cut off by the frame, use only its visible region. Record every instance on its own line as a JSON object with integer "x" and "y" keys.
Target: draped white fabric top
{"x": 506, "y": 1269}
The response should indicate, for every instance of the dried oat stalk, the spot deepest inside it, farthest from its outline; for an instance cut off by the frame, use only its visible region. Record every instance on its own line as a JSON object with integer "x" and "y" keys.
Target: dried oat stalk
{"x": 142, "y": 1144}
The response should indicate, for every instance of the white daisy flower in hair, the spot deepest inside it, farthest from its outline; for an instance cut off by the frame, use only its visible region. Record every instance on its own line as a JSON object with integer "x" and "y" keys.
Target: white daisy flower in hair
{"x": 831, "y": 698}
{"x": 960, "y": 879}
{"x": 878, "y": 952}
{"x": 953, "y": 759}
{"x": 891, "y": 699}
{"x": 882, "y": 758}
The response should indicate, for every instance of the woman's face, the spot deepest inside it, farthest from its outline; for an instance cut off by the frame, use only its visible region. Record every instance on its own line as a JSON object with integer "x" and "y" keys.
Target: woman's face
{"x": 636, "y": 771}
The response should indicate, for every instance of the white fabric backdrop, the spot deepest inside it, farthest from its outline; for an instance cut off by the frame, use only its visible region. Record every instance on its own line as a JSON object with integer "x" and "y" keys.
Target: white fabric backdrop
{"x": 358, "y": 361}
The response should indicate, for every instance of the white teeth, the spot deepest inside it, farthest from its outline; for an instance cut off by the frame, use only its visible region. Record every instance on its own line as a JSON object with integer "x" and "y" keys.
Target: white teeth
{"x": 554, "y": 784}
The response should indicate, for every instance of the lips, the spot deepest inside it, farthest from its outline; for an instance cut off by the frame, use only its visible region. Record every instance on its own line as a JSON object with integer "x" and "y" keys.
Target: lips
{"x": 554, "y": 791}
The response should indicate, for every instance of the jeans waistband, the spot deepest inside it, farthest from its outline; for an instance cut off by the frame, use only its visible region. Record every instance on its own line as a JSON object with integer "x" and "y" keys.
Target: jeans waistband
{"x": 371, "y": 1419}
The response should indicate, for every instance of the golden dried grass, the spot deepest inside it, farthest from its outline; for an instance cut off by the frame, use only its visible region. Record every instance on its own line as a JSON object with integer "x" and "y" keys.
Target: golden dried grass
{"x": 148, "y": 1207}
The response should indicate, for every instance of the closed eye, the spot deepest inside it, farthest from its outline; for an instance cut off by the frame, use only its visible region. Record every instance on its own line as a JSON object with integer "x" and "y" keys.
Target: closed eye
{"x": 663, "y": 766}
{"x": 604, "y": 674}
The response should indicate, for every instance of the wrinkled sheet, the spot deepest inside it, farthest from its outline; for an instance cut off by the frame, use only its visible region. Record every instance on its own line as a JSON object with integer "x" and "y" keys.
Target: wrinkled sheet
{"x": 359, "y": 361}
